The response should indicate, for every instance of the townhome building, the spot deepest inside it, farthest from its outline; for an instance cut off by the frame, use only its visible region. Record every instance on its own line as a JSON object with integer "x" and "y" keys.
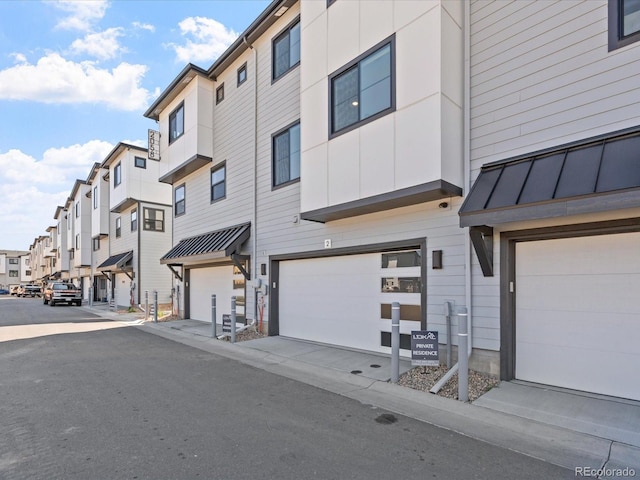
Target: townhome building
{"x": 554, "y": 210}
{"x": 62, "y": 266}
{"x": 139, "y": 230}
{"x": 79, "y": 236}
{"x": 51, "y": 255}
{"x": 100, "y": 216}
{"x": 12, "y": 271}
{"x": 37, "y": 262}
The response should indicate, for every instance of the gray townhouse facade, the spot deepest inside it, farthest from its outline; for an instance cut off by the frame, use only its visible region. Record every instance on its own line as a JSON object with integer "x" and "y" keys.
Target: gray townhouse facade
{"x": 13, "y": 270}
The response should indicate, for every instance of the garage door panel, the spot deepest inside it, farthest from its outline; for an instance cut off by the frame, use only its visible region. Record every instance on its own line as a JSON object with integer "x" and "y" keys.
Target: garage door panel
{"x": 205, "y": 282}
{"x": 577, "y": 313}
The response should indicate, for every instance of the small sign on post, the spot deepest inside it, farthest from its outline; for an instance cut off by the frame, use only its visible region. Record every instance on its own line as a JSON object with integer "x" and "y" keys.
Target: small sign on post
{"x": 226, "y": 323}
{"x": 424, "y": 348}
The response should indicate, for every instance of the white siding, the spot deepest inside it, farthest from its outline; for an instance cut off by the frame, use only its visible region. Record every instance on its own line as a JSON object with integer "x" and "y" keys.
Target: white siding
{"x": 151, "y": 275}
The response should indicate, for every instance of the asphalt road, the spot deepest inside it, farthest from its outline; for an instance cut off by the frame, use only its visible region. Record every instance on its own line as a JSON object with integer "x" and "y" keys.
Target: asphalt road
{"x": 86, "y": 398}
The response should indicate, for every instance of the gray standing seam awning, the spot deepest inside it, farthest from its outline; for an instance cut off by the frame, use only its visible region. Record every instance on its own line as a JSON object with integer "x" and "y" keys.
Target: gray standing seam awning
{"x": 117, "y": 262}
{"x": 596, "y": 175}
{"x": 209, "y": 246}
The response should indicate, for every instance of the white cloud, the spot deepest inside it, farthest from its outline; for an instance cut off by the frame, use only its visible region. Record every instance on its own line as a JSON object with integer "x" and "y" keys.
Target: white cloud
{"x": 206, "y": 40}
{"x": 31, "y": 189}
{"x": 82, "y": 13}
{"x": 101, "y": 45}
{"x": 56, "y": 80}
{"x": 144, "y": 26}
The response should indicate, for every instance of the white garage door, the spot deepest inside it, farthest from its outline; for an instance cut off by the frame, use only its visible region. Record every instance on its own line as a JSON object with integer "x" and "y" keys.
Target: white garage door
{"x": 578, "y": 313}
{"x": 221, "y": 281}
{"x": 337, "y": 300}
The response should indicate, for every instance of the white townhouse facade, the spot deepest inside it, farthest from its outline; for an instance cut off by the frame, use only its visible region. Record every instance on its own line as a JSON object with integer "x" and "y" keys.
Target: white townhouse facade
{"x": 100, "y": 216}
{"x": 12, "y": 269}
{"x": 139, "y": 228}
{"x": 61, "y": 269}
{"x": 554, "y": 210}
{"x": 79, "y": 236}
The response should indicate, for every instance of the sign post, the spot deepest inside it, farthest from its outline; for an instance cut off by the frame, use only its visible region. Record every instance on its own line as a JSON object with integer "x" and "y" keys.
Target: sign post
{"x": 424, "y": 348}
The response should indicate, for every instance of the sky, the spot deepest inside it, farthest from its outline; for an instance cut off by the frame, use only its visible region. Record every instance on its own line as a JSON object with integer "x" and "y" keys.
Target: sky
{"x": 76, "y": 77}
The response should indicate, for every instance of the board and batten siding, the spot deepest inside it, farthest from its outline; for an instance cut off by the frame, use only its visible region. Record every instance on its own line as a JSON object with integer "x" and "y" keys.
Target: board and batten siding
{"x": 152, "y": 275}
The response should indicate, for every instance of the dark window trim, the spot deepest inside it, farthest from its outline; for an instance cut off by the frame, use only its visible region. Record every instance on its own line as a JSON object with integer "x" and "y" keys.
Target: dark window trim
{"x": 282, "y": 32}
{"x": 134, "y": 223}
{"x": 173, "y": 112}
{"x": 184, "y": 201}
{"x": 220, "y": 93}
{"x": 616, "y": 17}
{"x": 95, "y": 197}
{"x": 118, "y": 227}
{"x": 392, "y": 108}
{"x": 508, "y": 241}
{"x": 117, "y": 174}
{"x": 246, "y": 75}
{"x": 144, "y": 219}
{"x": 273, "y": 152}
{"x": 135, "y": 162}
{"x": 214, "y": 169}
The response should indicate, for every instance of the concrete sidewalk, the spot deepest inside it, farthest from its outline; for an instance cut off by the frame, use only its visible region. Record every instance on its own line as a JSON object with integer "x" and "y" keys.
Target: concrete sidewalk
{"x": 567, "y": 428}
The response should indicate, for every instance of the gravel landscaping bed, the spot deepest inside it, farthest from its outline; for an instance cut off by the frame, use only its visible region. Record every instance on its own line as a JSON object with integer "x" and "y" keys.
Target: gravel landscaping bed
{"x": 424, "y": 378}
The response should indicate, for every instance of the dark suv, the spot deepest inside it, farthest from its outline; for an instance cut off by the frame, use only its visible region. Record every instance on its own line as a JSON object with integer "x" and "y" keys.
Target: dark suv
{"x": 62, "y": 292}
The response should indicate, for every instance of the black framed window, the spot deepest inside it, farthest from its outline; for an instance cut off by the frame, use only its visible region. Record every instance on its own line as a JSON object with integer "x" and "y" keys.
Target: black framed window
{"x": 363, "y": 90}
{"x": 218, "y": 182}
{"x": 153, "y": 219}
{"x": 96, "y": 244}
{"x": 220, "y": 94}
{"x": 77, "y": 241}
{"x": 242, "y": 74}
{"x": 95, "y": 197}
{"x": 179, "y": 200}
{"x": 134, "y": 220}
{"x": 286, "y": 50}
{"x": 286, "y": 155}
{"x": 117, "y": 175}
{"x": 176, "y": 123}
{"x": 77, "y": 208}
{"x": 140, "y": 162}
{"x": 118, "y": 227}
{"x": 624, "y": 23}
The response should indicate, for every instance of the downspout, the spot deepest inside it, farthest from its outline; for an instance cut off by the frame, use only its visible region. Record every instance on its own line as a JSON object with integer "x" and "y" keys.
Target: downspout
{"x": 254, "y": 219}
{"x": 466, "y": 152}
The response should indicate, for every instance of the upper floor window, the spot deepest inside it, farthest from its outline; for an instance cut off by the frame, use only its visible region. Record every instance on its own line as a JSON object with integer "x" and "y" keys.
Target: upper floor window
{"x": 77, "y": 241}
{"x": 624, "y": 23}
{"x": 286, "y": 50}
{"x": 286, "y": 155}
{"x": 134, "y": 220}
{"x": 179, "y": 200}
{"x": 363, "y": 90}
{"x": 176, "y": 123}
{"x": 218, "y": 182}
{"x": 96, "y": 244}
{"x": 140, "y": 162}
{"x": 95, "y": 197}
{"x": 220, "y": 94}
{"x": 13, "y": 261}
{"x": 77, "y": 207}
{"x": 242, "y": 74}
{"x": 13, "y": 273}
{"x": 117, "y": 175}
{"x": 118, "y": 227}
{"x": 153, "y": 219}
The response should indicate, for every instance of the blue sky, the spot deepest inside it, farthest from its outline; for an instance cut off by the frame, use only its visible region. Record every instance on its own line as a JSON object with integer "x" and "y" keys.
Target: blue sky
{"x": 75, "y": 79}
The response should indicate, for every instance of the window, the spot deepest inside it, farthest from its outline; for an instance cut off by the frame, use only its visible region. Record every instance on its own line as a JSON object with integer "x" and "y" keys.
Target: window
{"x": 363, "y": 90}
{"x": 13, "y": 273}
{"x": 118, "y": 227}
{"x": 178, "y": 200}
{"x": 176, "y": 123}
{"x": 95, "y": 197}
{"x": 286, "y": 155}
{"x": 13, "y": 261}
{"x": 96, "y": 244}
{"x": 77, "y": 241}
{"x": 286, "y": 50}
{"x": 140, "y": 162}
{"x": 77, "y": 206}
{"x": 218, "y": 182}
{"x": 624, "y": 23}
{"x": 220, "y": 94}
{"x": 153, "y": 219}
{"x": 117, "y": 175}
{"x": 134, "y": 220}
{"x": 242, "y": 74}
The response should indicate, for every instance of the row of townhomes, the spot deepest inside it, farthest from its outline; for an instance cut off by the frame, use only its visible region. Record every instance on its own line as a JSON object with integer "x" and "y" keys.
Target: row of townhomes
{"x": 14, "y": 268}
{"x": 478, "y": 156}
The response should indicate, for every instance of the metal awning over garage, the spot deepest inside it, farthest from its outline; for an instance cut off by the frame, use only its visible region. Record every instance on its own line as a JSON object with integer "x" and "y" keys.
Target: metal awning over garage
{"x": 595, "y": 175}
{"x": 119, "y": 262}
{"x": 220, "y": 244}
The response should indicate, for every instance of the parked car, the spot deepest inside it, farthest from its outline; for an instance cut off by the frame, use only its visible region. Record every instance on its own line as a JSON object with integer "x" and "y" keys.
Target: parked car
{"x": 4, "y": 291}
{"x": 29, "y": 291}
{"x": 62, "y": 292}
{"x": 14, "y": 290}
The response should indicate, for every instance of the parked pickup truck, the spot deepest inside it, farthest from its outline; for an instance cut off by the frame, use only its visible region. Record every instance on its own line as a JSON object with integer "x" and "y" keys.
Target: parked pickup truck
{"x": 29, "y": 291}
{"x": 62, "y": 292}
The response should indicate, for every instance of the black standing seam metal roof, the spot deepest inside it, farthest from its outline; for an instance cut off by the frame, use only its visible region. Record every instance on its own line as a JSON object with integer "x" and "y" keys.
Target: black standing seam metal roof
{"x": 227, "y": 240}
{"x": 595, "y": 167}
{"x": 116, "y": 260}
